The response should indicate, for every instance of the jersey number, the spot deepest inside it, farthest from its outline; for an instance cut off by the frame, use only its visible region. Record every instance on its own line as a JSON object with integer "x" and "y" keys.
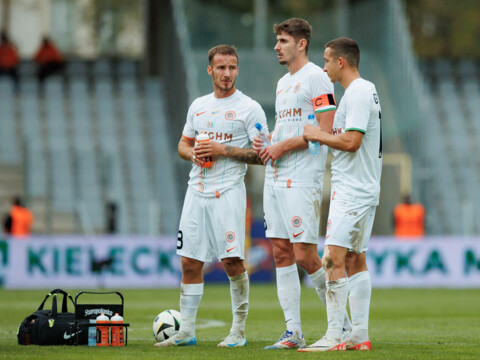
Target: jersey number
{"x": 380, "y": 147}
{"x": 180, "y": 240}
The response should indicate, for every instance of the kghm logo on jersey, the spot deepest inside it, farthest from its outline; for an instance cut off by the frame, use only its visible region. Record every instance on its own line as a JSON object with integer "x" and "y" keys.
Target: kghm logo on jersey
{"x": 296, "y": 221}
{"x": 230, "y": 115}
{"x": 230, "y": 236}
{"x": 297, "y": 87}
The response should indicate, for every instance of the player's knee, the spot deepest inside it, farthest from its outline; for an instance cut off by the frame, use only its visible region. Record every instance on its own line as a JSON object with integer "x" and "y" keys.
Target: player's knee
{"x": 327, "y": 262}
{"x": 283, "y": 254}
{"x": 233, "y": 266}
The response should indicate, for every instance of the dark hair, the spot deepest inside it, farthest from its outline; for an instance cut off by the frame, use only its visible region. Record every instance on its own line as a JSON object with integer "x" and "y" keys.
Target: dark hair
{"x": 17, "y": 201}
{"x": 222, "y": 50}
{"x": 345, "y": 48}
{"x": 297, "y": 28}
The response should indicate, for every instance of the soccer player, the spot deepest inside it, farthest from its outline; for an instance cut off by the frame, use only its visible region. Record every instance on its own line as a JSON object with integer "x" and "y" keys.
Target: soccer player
{"x": 356, "y": 143}
{"x": 294, "y": 177}
{"x": 213, "y": 216}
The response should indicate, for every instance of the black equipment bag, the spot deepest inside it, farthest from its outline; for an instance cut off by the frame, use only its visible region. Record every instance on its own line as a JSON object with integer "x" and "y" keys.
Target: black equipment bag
{"x": 50, "y": 327}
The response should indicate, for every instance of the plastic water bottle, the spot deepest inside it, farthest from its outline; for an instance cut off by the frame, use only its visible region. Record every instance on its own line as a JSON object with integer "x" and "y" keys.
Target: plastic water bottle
{"x": 117, "y": 331}
{"x": 92, "y": 333}
{"x": 262, "y": 135}
{"x": 208, "y": 162}
{"x": 313, "y": 146}
{"x": 102, "y": 330}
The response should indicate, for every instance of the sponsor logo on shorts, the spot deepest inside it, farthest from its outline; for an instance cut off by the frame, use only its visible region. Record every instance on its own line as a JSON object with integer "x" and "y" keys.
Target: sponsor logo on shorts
{"x": 296, "y": 221}
{"x": 230, "y": 236}
{"x": 298, "y": 234}
{"x": 230, "y": 115}
{"x": 228, "y": 250}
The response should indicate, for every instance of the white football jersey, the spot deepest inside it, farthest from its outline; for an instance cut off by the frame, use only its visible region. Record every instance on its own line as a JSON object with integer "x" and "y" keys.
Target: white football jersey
{"x": 306, "y": 92}
{"x": 356, "y": 176}
{"x": 229, "y": 121}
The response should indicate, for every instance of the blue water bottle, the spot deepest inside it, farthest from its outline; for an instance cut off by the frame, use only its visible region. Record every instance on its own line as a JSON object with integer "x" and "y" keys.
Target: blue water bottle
{"x": 313, "y": 146}
{"x": 92, "y": 333}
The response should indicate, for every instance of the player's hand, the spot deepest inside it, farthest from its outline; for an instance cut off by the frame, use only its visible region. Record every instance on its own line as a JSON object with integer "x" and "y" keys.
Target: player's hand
{"x": 196, "y": 160}
{"x": 271, "y": 153}
{"x": 209, "y": 148}
{"x": 310, "y": 132}
{"x": 257, "y": 144}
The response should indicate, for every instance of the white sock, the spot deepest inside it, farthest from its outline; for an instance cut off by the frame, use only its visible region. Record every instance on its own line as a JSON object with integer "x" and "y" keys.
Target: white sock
{"x": 288, "y": 290}
{"x": 239, "y": 289}
{"x": 337, "y": 293}
{"x": 359, "y": 298}
{"x": 190, "y": 297}
{"x": 318, "y": 280}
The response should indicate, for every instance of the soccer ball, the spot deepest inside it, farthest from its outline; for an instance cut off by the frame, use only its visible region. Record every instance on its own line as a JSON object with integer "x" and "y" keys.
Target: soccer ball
{"x": 166, "y": 324}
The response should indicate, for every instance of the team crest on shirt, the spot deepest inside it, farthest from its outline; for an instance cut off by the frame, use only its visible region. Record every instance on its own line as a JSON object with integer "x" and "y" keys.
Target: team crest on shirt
{"x": 230, "y": 236}
{"x": 230, "y": 115}
{"x": 296, "y": 221}
{"x": 297, "y": 87}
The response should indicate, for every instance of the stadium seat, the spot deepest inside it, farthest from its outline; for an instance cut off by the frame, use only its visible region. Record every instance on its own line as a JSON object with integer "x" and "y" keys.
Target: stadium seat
{"x": 163, "y": 171}
{"x": 9, "y": 147}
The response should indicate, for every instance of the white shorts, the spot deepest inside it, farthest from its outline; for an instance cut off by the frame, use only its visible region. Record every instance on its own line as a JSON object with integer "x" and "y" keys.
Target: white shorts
{"x": 349, "y": 225}
{"x": 292, "y": 213}
{"x": 211, "y": 226}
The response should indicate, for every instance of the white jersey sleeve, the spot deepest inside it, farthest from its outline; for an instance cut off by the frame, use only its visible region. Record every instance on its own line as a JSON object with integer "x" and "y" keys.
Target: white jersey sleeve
{"x": 358, "y": 113}
{"x": 256, "y": 115}
{"x": 188, "y": 129}
{"x": 322, "y": 92}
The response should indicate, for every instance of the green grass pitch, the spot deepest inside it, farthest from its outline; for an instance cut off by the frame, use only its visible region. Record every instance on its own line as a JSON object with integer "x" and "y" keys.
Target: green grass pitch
{"x": 404, "y": 324}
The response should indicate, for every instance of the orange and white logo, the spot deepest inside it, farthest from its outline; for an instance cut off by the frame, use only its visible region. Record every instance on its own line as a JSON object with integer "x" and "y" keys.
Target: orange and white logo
{"x": 296, "y": 221}
{"x": 230, "y": 236}
{"x": 297, "y": 87}
{"x": 230, "y": 115}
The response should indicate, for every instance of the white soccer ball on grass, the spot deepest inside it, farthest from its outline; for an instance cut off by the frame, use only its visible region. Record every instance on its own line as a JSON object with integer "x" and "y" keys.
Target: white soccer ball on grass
{"x": 166, "y": 324}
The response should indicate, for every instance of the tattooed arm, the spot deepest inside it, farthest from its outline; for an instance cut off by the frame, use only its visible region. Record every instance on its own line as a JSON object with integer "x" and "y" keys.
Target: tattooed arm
{"x": 215, "y": 149}
{"x": 247, "y": 156}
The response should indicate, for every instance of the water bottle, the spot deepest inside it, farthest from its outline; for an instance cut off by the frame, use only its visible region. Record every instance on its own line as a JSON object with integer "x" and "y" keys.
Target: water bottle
{"x": 208, "y": 162}
{"x": 92, "y": 333}
{"x": 117, "y": 331}
{"x": 102, "y": 330}
{"x": 262, "y": 135}
{"x": 313, "y": 146}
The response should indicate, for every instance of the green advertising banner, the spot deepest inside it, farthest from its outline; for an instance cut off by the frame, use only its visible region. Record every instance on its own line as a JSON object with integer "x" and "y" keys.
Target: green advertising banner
{"x": 142, "y": 262}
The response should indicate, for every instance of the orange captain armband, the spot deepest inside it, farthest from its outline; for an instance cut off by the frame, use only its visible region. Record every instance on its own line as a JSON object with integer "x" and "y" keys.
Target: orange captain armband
{"x": 325, "y": 102}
